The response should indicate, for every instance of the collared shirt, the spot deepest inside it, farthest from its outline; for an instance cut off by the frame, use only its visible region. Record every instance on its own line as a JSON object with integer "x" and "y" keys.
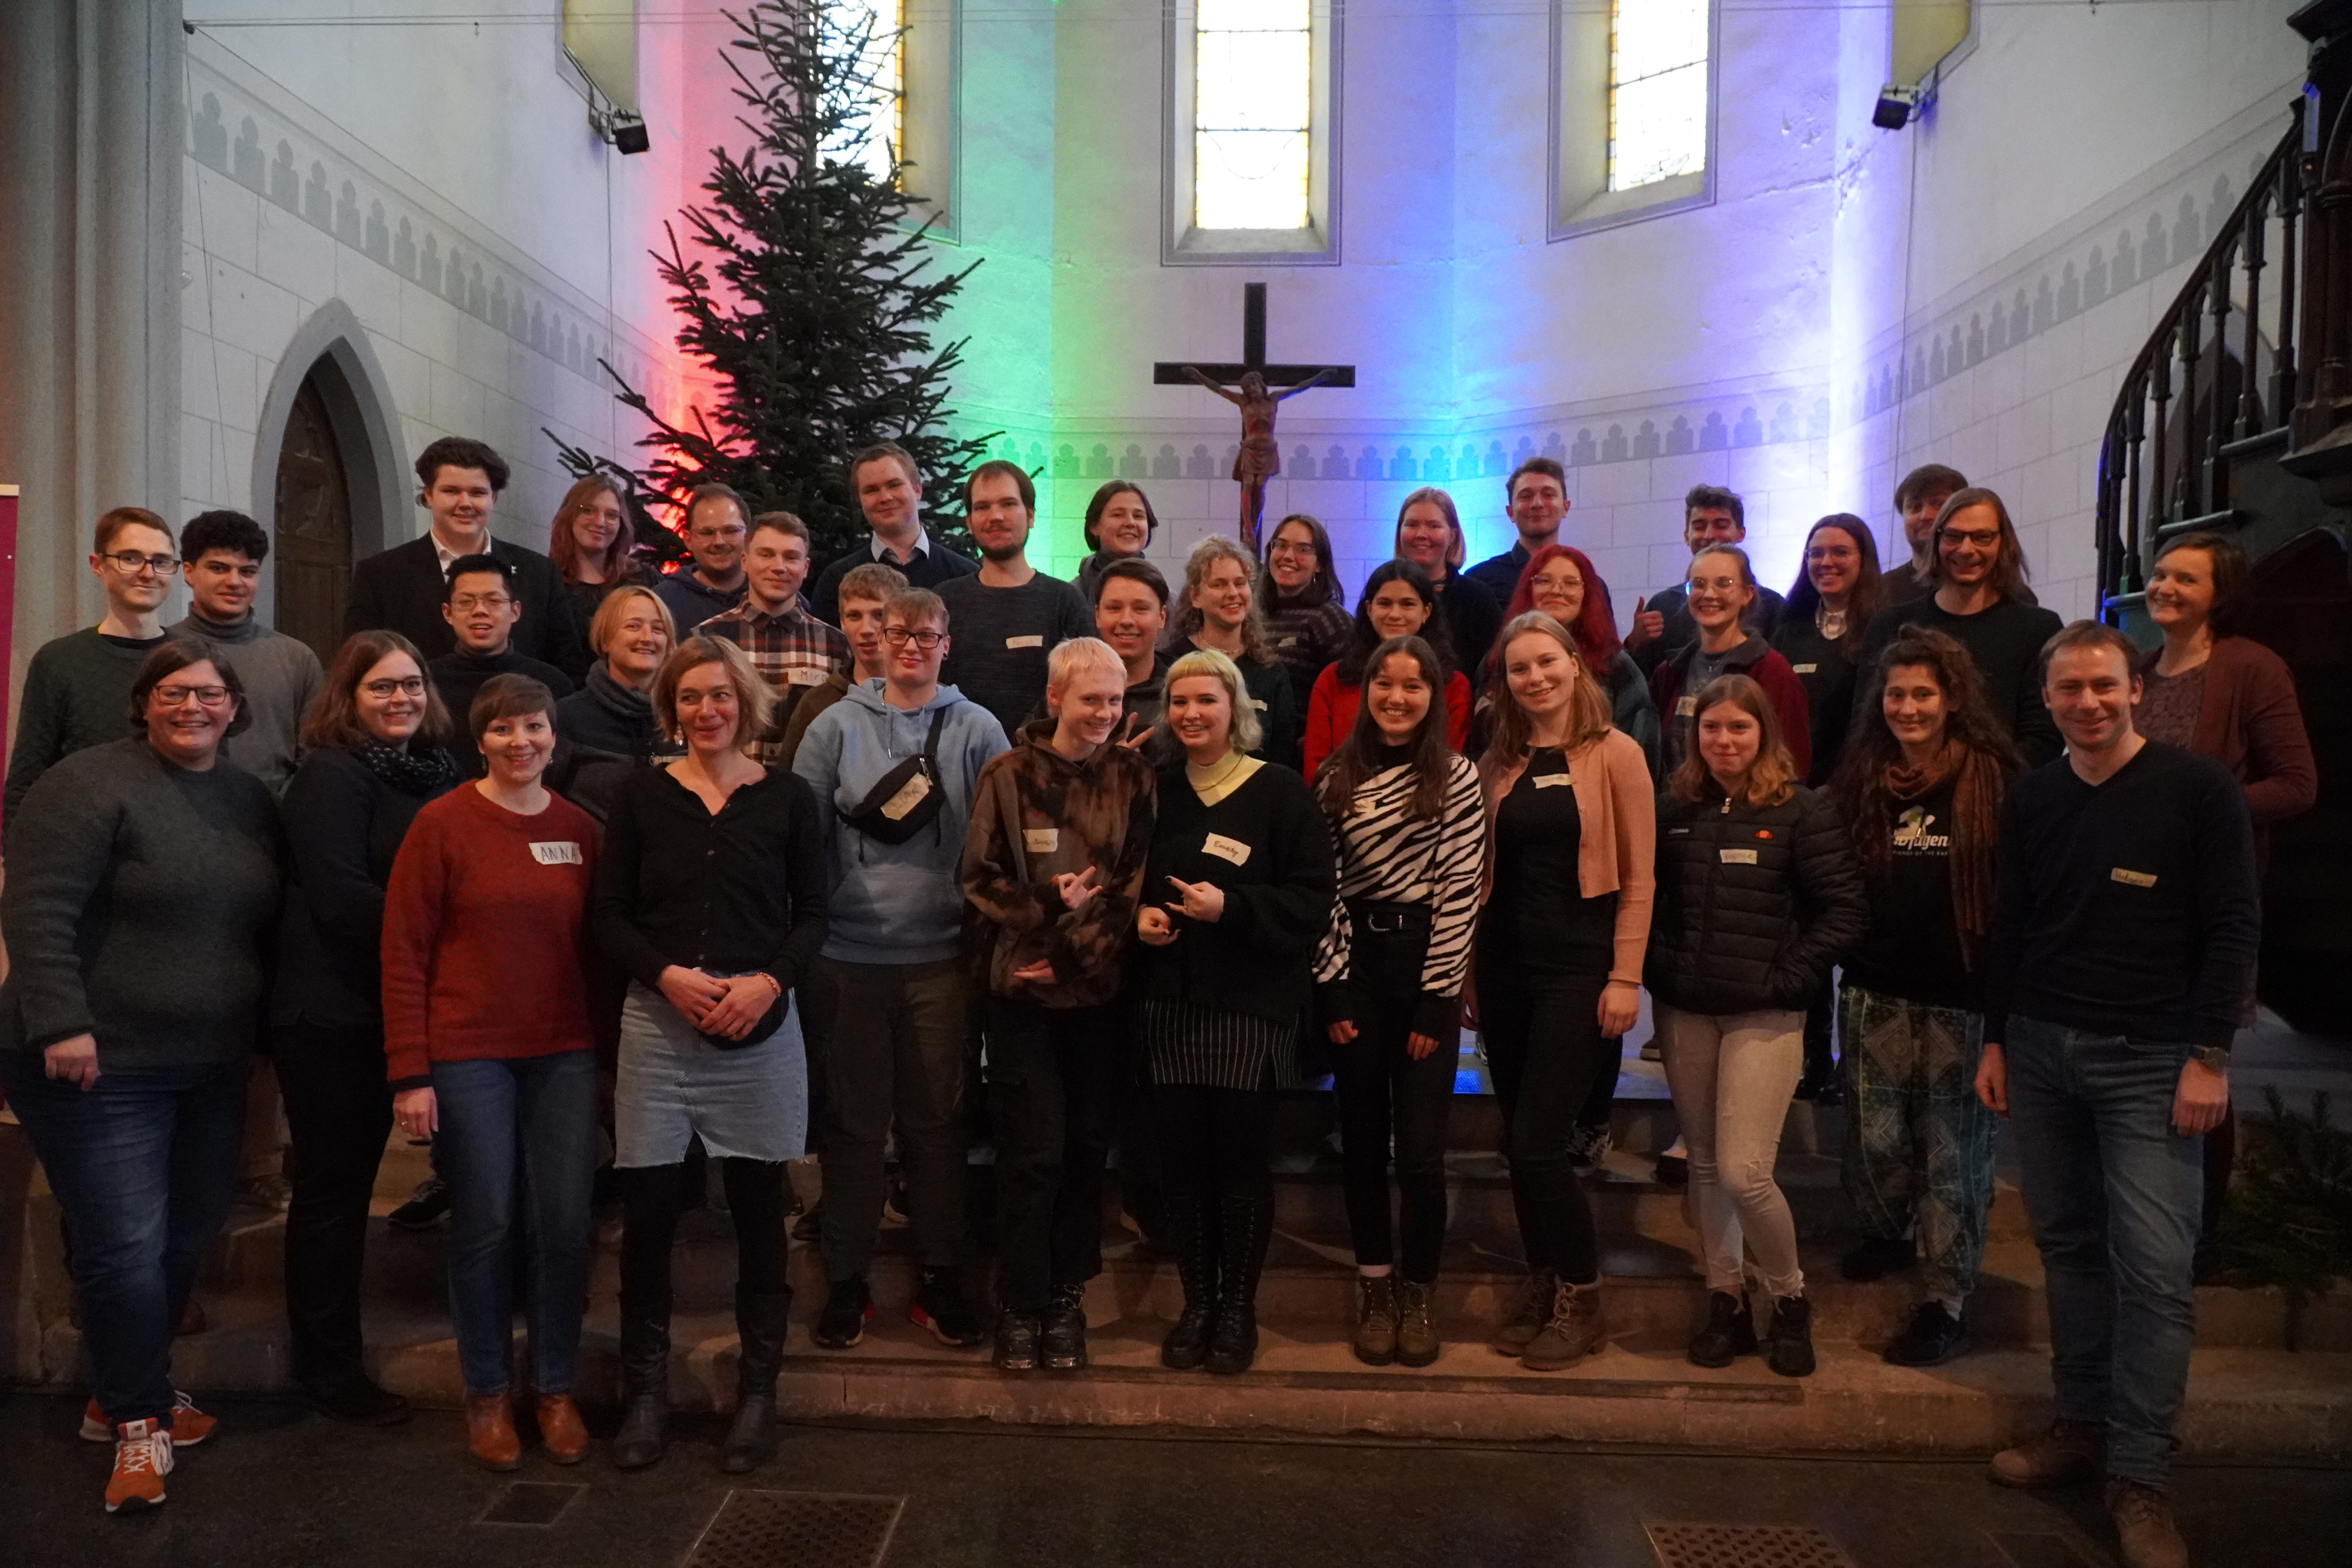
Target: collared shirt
{"x": 445, "y": 556}
{"x": 794, "y": 650}
{"x": 882, "y": 552}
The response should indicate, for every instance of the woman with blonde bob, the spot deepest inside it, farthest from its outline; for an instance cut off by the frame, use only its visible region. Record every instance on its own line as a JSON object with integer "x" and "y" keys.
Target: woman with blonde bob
{"x": 1219, "y": 609}
{"x": 711, "y": 896}
{"x": 631, "y": 635}
{"x": 1571, "y": 828}
{"x": 1758, "y": 893}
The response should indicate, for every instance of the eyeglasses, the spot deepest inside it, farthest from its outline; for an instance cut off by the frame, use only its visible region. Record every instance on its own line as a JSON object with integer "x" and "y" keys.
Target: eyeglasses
{"x": 464, "y": 602}
{"x": 130, "y": 561}
{"x": 1983, "y": 538}
{"x": 383, "y": 691}
{"x": 181, "y": 696}
{"x": 1290, "y": 547}
{"x": 899, "y": 637}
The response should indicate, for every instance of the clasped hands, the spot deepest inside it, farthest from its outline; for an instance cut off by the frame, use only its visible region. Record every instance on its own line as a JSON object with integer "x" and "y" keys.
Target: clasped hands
{"x": 1201, "y": 902}
{"x": 726, "y": 1005}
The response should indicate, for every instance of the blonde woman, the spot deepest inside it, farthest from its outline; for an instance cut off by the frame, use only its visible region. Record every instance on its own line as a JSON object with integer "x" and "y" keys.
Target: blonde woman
{"x": 631, "y": 634}
{"x": 1219, "y": 609}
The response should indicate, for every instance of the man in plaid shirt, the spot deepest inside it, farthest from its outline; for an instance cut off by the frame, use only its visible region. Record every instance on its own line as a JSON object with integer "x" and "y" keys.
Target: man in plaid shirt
{"x": 791, "y": 648}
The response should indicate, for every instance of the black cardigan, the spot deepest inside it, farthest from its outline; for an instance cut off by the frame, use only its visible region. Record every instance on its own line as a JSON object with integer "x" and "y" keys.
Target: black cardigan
{"x": 743, "y": 890}
{"x": 1754, "y": 904}
{"x": 1256, "y": 957}
{"x": 343, "y": 829}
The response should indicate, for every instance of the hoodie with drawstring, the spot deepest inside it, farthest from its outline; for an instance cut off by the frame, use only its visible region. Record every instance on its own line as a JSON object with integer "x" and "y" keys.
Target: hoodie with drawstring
{"x": 895, "y": 904}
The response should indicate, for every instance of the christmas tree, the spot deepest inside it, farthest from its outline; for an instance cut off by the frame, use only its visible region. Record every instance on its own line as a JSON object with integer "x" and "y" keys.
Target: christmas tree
{"x": 810, "y": 291}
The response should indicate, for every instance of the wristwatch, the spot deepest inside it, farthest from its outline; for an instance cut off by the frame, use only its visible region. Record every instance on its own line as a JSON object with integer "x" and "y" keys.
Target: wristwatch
{"x": 2215, "y": 1058}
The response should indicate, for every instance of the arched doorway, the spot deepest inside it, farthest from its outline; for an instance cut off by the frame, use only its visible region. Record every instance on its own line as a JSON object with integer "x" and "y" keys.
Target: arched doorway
{"x": 312, "y": 542}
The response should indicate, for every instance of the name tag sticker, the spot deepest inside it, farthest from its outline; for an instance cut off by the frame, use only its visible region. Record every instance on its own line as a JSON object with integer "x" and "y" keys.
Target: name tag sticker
{"x": 1256, "y": 704}
{"x": 1739, "y": 856}
{"x": 911, "y": 795}
{"x": 804, "y": 675}
{"x": 2133, "y": 878}
{"x": 1551, "y": 781}
{"x": 1225, "y": 848}
{"x": 1034, "y": 639}
{"x": 1804, "y": 668}
{"x": 565, "y": 853}
{"x": 1041, "y": 840}
{"x": 1686, "y": 707}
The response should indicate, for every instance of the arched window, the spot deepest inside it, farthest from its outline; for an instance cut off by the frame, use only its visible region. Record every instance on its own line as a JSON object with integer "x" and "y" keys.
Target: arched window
{"x": 1658, "y": 91}
{"x": 1253, "y": 124}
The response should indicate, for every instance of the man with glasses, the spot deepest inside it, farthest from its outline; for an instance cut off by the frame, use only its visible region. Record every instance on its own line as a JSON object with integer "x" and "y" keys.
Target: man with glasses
{"x": 77, "y": 686}
{"x": 795, "y": 651}
{"x": 1010, "y": 615}
{"x": 404, "y": 589}
{"x": 221, "y": 555}
{"x": 480, "y": 609}
{"x": 888, "y": 489}
{"x": 888, "y": 1001}
{"x": 1535, "y": 498}
{"x": 716, "y": 528}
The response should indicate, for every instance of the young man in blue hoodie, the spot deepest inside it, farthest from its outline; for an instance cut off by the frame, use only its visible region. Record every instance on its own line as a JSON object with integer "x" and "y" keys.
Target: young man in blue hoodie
{"x": 888, "y": 1003}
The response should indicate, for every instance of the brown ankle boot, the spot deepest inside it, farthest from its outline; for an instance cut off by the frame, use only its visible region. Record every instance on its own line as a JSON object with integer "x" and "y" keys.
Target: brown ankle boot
{"x": 2146, "y": 1535}
{"x": 1574, "y": 1330}
{"x": 560, "y": 1431}
{"x": 2068, "y": 1452}
{"x": 489, "y": 1431}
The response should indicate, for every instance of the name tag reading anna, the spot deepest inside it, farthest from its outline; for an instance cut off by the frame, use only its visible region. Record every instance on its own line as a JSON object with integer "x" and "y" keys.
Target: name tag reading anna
{"x": 1738, "y": 857}
{"x": 1041, "y": 840}
{"x": 1034, "y": 639}
{"x": 563, "y": 853}
{"x": 1552, "y": 781}
{"x": 1686, "y": 707}
{"x": 804, "y": 675}
{"x": 1225, "y": 848}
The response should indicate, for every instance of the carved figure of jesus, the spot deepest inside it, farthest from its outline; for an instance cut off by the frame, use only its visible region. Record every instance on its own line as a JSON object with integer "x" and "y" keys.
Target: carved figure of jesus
{"x": 1260, "y": 458}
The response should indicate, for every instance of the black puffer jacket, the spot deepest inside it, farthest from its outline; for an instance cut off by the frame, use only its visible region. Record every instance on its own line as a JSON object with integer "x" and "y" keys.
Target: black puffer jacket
{"x": 1754, "y": 904}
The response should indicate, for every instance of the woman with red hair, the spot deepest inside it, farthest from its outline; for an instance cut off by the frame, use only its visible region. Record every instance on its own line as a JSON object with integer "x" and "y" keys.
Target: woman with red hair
{"x": 1560, "y": 581}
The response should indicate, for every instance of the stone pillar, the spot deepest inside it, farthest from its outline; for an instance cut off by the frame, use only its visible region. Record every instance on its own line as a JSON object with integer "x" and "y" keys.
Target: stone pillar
{"x": 90, "y": 167}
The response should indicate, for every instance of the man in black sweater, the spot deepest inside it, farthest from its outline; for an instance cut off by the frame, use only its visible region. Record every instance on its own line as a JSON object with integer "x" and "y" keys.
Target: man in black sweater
{"x": 1711, "y": 515}
{"x": 2121, "y": 960}
{"x": 888, "y": 489}
{"x": 403, "y": 588}
{"x": 1008, "y": 616}
{"x": 480, "y": 608}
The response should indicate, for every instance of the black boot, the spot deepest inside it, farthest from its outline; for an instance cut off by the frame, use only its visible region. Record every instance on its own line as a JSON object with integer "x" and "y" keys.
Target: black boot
{"x": 1187, "y": 1344}
{"x": 1247, "y": 1226}
{"x": 759, "y": 1328}
{"x": 645, "y": 1391}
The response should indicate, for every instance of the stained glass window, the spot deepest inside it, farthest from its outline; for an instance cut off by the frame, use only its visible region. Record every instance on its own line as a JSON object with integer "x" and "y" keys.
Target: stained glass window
{"x": 882, "y": 75}
{"x": 1658, "y": 91}
{"x": 1253, "y": 110}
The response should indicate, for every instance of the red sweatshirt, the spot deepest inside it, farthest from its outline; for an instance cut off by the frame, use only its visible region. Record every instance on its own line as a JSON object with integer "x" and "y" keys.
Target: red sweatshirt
{"x": 1331, "y": 714}
{"x": 486, "y": 935}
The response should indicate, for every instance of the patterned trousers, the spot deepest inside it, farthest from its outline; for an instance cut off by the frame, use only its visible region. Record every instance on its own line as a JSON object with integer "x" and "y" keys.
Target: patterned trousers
{"x": 1918, "y": 1143}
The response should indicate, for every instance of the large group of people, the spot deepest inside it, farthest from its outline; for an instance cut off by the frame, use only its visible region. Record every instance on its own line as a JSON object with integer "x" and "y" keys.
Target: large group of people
{"x": 558, "y": 861}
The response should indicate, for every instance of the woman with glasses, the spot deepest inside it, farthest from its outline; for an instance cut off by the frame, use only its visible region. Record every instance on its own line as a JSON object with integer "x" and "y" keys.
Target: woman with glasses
{"x": 631, "y": 634}
{"x": 142, "y": 889}
{"x": 1397, "y": 602}
{"x": 1721, "y": 586}
{"x": 1220, "y": 611}
{"x": 1299, "y": 597}
{"x": 593, "y": 545}
{"x": 1561, "y": 581}
{"x": 375, "y": 740}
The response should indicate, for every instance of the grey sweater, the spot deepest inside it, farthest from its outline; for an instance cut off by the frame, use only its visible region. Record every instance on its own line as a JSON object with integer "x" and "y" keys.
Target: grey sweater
{"x": 139, "y": 906}
{"x": 77, "y": 694}
{"x": 281, "y": 677}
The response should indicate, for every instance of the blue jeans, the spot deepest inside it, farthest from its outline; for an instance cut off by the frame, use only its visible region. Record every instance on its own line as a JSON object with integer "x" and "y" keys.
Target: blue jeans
{"x": 514, "y": 1135}
{"x": 2115, "y": 1197}
{"x": 144, "y": 1167}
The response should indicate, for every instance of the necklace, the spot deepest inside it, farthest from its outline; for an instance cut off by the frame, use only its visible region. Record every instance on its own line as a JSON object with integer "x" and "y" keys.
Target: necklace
{"x": 1829, "y": 623}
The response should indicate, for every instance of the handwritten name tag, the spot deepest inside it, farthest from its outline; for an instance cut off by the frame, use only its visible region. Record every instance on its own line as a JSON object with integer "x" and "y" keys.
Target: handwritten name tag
{"x": 1033, "y": 639}
{"x": 804, "y": 675}
{"x": 1686, "y": 707}
{"x": 1738, "y": 857}
{"x": 1804, "y": 668}
{"x": 2134, "y": 878}
{"x": 1041, "y": 840}
{"x": 565, "y": 853}
{"x": 1552, "y": 781}
{"x": 910, "y": 795}
{"x": 1225, "y": 848}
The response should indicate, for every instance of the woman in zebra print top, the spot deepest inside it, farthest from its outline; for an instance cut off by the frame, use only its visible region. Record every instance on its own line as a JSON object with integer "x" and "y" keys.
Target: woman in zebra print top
{"x": 1405, "y": 811}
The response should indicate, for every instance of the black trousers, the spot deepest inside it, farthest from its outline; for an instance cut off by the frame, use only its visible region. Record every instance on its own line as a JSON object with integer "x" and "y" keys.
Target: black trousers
{"x": 338, "y": 1111}
{"x": 1383, "y": 1090}
{"x": 1215, "y": 1143}
{"x": 1055, "y": 1075}
{"x": 652, "y": 1199}
{"x": 1601, "y": 1103}
{"x": 1544, "y": 1046}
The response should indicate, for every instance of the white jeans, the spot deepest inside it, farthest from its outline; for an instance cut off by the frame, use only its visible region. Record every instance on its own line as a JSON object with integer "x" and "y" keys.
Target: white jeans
{"x": 1732, "y": 1077}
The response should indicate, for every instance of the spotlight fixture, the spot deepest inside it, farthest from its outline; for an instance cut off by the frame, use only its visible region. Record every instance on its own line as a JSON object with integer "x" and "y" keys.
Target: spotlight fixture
{"x": 1896, "y": 107}
{"x": 622, "y": 129}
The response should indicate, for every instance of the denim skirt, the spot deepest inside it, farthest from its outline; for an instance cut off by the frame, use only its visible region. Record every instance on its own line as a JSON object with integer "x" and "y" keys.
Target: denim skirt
{"x": 748, "y": 1103}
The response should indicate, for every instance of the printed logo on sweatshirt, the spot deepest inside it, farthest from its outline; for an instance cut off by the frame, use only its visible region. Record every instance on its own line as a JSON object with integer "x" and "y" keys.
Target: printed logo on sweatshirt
{"x": 1913, "y": 835}
{"x": 561, "y": 853}
{"x": 2133, "y": 878}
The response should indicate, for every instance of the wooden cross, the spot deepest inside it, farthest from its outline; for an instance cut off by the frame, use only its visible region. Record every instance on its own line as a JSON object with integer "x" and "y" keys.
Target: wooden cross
{"x": 1255, "y": 387}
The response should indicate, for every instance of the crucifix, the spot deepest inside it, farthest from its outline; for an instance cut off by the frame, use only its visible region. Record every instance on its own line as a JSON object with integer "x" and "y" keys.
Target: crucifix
{"x": 1252, "y": 389}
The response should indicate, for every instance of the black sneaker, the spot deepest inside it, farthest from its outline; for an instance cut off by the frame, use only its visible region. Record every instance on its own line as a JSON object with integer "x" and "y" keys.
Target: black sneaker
{"x": 1729, "y": 1332}
{"x": 848, "y": 1307}
{"x": 1016, "y": 1341}
{"x": 1789, "y": 1343}
{"x": 1932, "y": 1337}
{"x": 427, "y": 1208}
{"x": 1062, "y": 1335}
{"x": 939, "y": 1306}
{"x": 1588, "y": 1146}
{"x": 1674, "y": 1171}
{"x": 1876, "y": 1256}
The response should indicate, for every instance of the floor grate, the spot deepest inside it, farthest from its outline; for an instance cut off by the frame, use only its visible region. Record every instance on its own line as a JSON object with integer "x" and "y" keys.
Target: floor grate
{"x": 797, "y": 1530}
{"x": 532, "y": 1504}
{"x": 1744, "y": 1546}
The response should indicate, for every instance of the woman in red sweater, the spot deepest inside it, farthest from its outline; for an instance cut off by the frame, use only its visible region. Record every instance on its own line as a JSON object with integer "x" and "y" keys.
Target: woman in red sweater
{"x": 487, "y": 1046}
{"x": 1397, "y": 602}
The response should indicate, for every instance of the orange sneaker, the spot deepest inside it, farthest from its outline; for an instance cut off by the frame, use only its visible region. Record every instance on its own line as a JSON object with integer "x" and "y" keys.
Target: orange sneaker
{"x": 190, "y": 1425}
{"x": 143, "y": 1458}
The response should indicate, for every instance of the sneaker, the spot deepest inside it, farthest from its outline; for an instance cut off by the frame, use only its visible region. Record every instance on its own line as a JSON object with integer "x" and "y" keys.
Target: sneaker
{"x": 1061, "y": 1332}
{"x": 1876, "y": 1256}
{"x": 2064, "y": 1453}
{"x": 1729, "y": 1331}
{"x": 426, "y": 1207}
{"x": 1588, "y": 1146}
{"x": 939, "y": 1306}
{"x": 848, "y": 1307}
{"x": 2146, "y": 1535}
{"x": 270, "y": 1190}
{"x": 1016, "y": 1341}
{"x": 143, "y": 1458}
{"x": 1375, "y": 1339}
{"x": 1650, "y": 1052}
{"x": 189, "y": 1425}
{"x": 1789, "y": 1342}
{"x": 1674, "y": 1171}
{"x": 1526, "y": 1320}
{"x": 1416, "y": 1336}
{"x": 1932, "y": 1337}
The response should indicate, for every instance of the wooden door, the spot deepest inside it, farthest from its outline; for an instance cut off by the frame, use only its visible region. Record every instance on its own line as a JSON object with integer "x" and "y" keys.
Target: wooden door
{"x": 313, "y": 546}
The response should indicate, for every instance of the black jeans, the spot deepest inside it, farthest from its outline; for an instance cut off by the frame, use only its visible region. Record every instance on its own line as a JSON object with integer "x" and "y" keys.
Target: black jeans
{"x": 1215, "y": 1143}
{"x": 652, "y": 1199}
{"x": 1600, "y": 1103}
{"x": 338, "y": 1111}
{"x": 1544, "y": 1045}
{"x": 1383, "y": 1088}
{"x": 1053, "y": 1080}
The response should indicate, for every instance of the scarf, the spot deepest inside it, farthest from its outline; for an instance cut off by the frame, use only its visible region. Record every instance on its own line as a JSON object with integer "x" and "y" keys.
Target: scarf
{"x": 423, "y": 773}
{"x": 1976, "y": 826}
{"x": 622, "y": 702}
